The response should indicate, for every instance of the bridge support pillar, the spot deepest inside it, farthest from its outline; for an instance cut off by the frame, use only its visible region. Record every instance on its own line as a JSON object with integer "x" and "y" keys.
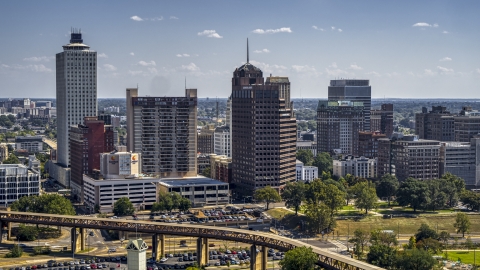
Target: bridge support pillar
{"x": 158, "y": 245}
{"x": 83, "y": 237}
{"x": 202, "y": 251}
{"x": 76, "y": 242}
{"x": 258, "y": 260}
{"x": 264, "y": 258}
{"x": 253, "y": 257}
{"x": 9, "y": 231}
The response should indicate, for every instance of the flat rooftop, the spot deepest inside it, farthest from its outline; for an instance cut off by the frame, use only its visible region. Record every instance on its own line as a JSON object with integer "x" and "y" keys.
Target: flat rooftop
{"x": 200, "y": 181}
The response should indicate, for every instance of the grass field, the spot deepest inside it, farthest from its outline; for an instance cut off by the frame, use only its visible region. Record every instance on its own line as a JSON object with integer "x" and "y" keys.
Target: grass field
{"x": 467, "y": 257}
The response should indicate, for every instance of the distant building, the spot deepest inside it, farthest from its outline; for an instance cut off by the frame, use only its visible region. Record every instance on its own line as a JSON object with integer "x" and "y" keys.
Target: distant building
{"x": 17, "y": 181}
{"x": 87, "y": 142}
{"x": 338, "y": 124}
{"x": 354, "y": 91}
{"x": 305, "y": 173}
{"x": 3, "y": 152}
{"x": 357, "y": 166}
{"x": 408, "y": 156}
{"x": 382, "y": 120}
{"x": 203, "y": 162}
{"x": 462, "y": 159}
{"x": 33, "y": 163}
{"x": 32, "y": 144}
{"x": 200, "y": 190}
{"x": 221, "y": 168}
{"x": 438, "y": 124}
{"x": 205, "y": 140}
{"x": 163, "y": 130}
{"x": 368, "y": 144}
{"x": 467, "y": 124}
{"x": 307, "y": 145}
{"x": 221, "y": 139}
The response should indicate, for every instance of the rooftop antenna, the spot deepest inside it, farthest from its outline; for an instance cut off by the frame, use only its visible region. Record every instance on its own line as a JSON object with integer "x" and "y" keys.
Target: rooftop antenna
{"x": 247, "y": 53}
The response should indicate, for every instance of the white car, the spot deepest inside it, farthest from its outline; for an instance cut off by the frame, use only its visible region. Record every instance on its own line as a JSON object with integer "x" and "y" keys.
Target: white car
{"x": 163, "y": 259}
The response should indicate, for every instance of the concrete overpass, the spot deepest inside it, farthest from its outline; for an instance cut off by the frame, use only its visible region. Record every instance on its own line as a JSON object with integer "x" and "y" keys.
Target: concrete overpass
{"x": 258, "y": 240}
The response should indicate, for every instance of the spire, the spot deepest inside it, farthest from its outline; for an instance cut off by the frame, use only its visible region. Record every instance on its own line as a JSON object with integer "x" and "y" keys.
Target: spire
{"x": 247, "y": 52}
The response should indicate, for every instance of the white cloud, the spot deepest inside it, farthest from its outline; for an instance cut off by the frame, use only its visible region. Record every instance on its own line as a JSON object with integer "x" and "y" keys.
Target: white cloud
{"x": 444, "y": 70}
{"x": 132, "y": 53}
{"x": 333, "y": 70}
{"x": 428, "y": 72}
{"x": 305, "y": 68}
{"x": 273, "y": 31}
{"x": 109, "y": 67}
{"x": 173, "y": 18}
{"x": 190, "y": 67}
{"x": 445, "y": 32}
{"x": 136, "y": 18}
{"x": 102, "y": 55}
{"x": 333, "y": 28}
{"x": 477, "y": 70}
{"x": 5, "y": 66}
{"x": 152, "y": 70}
{"x": 424, "y": 24}
{"x": 147, "y": 64}
{"x": 156, "y": 19}
{"x": 317, "y": 28}
{"x": 445, "y": 59}
{"x": 262, "y": 51}
{"x": 267, "y": 67}
{"x": 374, "y": 73}
{"x": 35, "y": 68}
{"x": 183, "y": 55}
{"x": 354, "y": 66}
{"x": 435, "y": 25}
{"x": 38, "y": 59}
{"x": 135, "y": 72}
{"x": 209, "y": 33}
{"x": 340, "y": 30}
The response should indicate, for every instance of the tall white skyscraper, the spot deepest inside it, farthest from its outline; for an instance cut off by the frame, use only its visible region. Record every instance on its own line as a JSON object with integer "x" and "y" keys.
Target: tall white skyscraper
{"x": 76, "y": 90}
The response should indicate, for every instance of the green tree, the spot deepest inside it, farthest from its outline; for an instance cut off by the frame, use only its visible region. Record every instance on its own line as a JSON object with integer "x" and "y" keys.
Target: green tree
{"x": 470, "y": 199}
{"x": 207, "y": 172}
{"x": 438, "y": 198}
{"x": 387, "y": 187}
{"x": 15, "y": 252}
{"x": 425, "y": 232}
{"x": 324, "y": 162}
{"x": 413, "y": 193}
{"x": 293, "y": 194}
{"x": 184, "y": 205}
{"x": 267, "y": 195}
{"x": 12, "y": 159}
{"x": 382, "y": 256}
{"x": 380, "y": 237}
{"x": 45, "y": 203}
{"x": 319, "y": 218}
{"x": 334, "y": 198}
{"x": 444, "y": 237}
{"x": 365, "y": 195}
{"x": 165, "y": 202}
{"x": 415, "y": 259}
{"x": 299, "y": 258}
{"x": 360, "y": 239}
{"x": 462, "y": 223}
{"x": 429, "y": 244}
{"x": 123, "y": 207}
{"x": 27, "y": 233}
{"x": 305, "y": 156}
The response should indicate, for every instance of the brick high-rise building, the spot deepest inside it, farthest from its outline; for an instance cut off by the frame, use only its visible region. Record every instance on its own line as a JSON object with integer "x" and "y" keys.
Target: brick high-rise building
{"x": 205, "y": 140}
{"x": 164, "y": 131}
{"x": 338, "y": 125}
{"x": 382, "y": 120}
{"x": 438, "y": 124}
{"x": 263, "y": 130}
{"x": 87, "y": 142}
{"x": 467, "y": 124}
{"x": 368, "y": 144}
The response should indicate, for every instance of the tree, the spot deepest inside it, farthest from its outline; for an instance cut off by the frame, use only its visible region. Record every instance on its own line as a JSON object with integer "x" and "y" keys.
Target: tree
{"x": 165, "y": 202}
{"x": 305, "y": 156}
{"x": 123, "y": 207}
{"x": 27, "y": 233}
{"x": 15, "y": 252}
{"x": 382, "y": 255}
{"x": 267, "y": 195}
{"x": 379, "y": 237}
{"x": 387, "y": 187}
{"x": 184, "y": 205}
{"x": 462, "y": 223}
{"x": 293, "y": 194}
{"x": 429, "y": 244}
{"x": 415, "y": 259}
{"x": 45, "y": 203}
{"x": 324, "y": 162}
{"x": 413, "y": 193}
{"x": 425, "y": 232}
{"x": 438, "y": 198}
{"x": 365, "y": 195}
{"x": 318, "y": 218}
{"x": 207, "y": 172}
{"x": 470, "y": 199}
{"x": 12, "y": 159}
{"x": 299, "y": 258}
{"x": 360, "y": 239}
{"x": 444, "y": 237}
{"x": 334, "y": 198}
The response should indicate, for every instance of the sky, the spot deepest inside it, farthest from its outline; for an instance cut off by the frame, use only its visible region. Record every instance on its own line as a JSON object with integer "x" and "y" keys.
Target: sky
{"x": 407, "y": 49}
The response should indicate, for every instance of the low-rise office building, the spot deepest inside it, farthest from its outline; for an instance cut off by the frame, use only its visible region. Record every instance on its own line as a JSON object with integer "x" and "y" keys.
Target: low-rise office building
{"x": 357, "y": 166}
{"x": 307, "y": 145}
{"x": 16, "y": 181}
{"x": 463, "y": 160}
{"x": 221, "y": 168}
{"x": 305, "y": 173}
{"x": 200, "y": 190}
{"x": 32, "y": 144}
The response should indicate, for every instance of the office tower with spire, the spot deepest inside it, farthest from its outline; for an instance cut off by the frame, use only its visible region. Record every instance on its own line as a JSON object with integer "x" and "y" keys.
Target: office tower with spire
{"x": 263, "y": 130}
{"x": 76, "y": 79}
{"x": 354, "y": 91}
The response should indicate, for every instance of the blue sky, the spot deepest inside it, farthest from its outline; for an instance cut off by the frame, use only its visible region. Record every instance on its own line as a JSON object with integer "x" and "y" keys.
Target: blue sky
{"x": 408, "y": 49}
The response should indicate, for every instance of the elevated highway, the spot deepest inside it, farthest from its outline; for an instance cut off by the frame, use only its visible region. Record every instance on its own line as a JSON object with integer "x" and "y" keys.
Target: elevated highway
{"x": 258, "y": 240}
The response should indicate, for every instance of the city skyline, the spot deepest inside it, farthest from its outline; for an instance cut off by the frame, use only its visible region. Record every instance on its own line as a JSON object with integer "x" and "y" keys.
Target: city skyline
{"x": 406, "y": 50}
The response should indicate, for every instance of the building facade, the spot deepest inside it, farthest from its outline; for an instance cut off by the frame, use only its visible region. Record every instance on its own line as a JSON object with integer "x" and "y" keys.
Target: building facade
{"x": 87, "y": 142}
{"x": 408, "y": 156}
{"x": 163, "y": 130}
{"x": 221, "y": 141}
{"x": 263, "y": 131}
{"x": 3, "y": 152}
{"x": 368, "y": 144}
{"x": 362, "y": 167}
{"x": 205, "y": 140}
{"x": 382, "y": 120}
{"x": 338, "y": 125}
{"x": 354, "y": 91}
{"x": 467, "y": 125}
{"x": 76, "y": 80}
{"x": 463, "y": 160}
{"x": 200, "y": 190}
{"x": 221, "y": 168}
{"x": 305, "y": 173}
{"x": 438, "y": 124}
{"x": 32, "y": 144}
{"x": 308, "y": 145}
{"x": 17, "y": 181}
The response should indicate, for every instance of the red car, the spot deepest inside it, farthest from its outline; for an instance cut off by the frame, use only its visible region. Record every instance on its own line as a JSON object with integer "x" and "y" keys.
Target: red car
{"x": 93, "y": 266}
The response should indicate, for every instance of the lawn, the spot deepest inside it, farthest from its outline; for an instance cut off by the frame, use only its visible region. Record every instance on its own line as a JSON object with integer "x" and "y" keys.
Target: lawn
{"x": 405, "y": 225}
{"x": 467, "y": 257}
